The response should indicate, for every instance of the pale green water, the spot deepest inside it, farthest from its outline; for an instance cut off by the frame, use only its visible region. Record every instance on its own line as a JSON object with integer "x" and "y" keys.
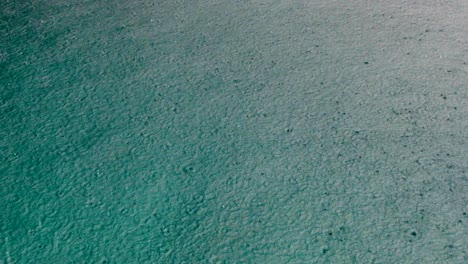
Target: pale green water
{"x": 233, "y": 132}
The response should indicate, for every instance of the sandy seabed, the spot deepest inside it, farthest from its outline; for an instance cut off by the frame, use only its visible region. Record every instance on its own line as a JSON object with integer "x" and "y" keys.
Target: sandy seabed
{"x": 233, "y": 131}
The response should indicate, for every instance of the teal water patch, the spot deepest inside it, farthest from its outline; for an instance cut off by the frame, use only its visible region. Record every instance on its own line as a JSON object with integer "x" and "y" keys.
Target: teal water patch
{"x": 232, "y": 132}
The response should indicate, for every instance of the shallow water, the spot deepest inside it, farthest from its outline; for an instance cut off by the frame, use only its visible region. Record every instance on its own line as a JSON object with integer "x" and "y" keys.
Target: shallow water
{"x": 233, "y": 131}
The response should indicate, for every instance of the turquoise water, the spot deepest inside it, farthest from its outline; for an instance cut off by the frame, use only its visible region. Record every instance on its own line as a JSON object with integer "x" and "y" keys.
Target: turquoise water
{"x": 233, "y": 132}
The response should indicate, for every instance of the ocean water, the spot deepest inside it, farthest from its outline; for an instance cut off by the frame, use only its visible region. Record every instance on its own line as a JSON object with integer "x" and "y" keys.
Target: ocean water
{"x": 233, "y": 131}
